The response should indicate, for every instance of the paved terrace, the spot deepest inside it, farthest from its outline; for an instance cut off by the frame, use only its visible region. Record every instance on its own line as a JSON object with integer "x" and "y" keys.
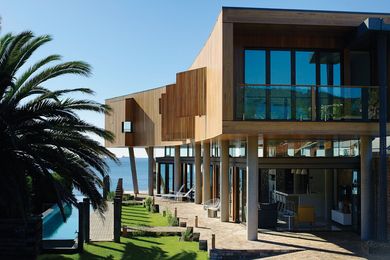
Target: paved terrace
{"x": 232, "y": 236}
{"x": 102, "y": 229}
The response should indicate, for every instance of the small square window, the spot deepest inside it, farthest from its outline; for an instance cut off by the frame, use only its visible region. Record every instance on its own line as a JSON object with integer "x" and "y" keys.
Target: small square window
{"x": 127, "y": 127}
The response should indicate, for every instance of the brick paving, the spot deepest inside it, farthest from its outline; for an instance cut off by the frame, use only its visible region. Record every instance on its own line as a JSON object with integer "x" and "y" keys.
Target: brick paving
{"x": 102, "y": 229}
{"x": 232, "y": 236}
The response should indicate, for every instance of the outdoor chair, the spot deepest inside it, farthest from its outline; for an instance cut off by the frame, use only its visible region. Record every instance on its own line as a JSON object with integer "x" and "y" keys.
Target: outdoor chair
{"x": 212, "y": 206}
{"x": 169, "y": 196}
{"x": 179, "y": 194}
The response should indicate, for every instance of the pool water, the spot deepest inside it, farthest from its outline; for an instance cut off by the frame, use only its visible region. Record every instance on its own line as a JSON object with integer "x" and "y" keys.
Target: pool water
{"x": 54, "y": 228}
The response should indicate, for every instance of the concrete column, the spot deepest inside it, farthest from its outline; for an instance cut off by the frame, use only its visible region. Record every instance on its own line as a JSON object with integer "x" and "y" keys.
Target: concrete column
{"x": 367, "y": 216}
{"x": 177, "y": 169}
{"x": 206, "y": 172}
{"x": 133, "y": 170}
{"x": 150, "y": 153}
{"x": 224, "y": 180}
{"x": 252, "y": 186}
{"x": 198, "y": 175}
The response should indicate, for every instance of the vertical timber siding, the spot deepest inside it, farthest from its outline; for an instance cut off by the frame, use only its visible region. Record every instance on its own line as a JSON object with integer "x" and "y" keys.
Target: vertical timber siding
{"x": 211, "y": 57}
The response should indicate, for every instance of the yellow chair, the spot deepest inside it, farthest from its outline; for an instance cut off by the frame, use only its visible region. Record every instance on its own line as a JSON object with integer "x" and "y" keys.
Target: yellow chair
{"x": 306, "y": 214}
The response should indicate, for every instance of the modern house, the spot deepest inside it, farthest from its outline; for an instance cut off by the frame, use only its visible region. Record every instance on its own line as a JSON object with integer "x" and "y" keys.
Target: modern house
{"x": 279, "y": 106}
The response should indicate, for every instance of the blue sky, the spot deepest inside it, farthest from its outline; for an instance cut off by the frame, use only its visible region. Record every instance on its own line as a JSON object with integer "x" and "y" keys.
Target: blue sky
{"x": 135, "y": 45}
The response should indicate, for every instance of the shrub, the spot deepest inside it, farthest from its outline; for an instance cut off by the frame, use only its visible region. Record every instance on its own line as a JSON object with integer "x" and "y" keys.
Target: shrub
{"x": 187, "y": 235}
{"x": 111, "y": 196}
{"x": 172, "y": 220}
{"x": 148, "y": 203}
{"x": 127, "y": 197}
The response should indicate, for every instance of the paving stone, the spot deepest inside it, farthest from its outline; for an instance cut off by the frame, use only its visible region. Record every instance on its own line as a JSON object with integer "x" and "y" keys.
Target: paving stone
{"x": 102, "y": 229}
{"x": 282, "y": 245}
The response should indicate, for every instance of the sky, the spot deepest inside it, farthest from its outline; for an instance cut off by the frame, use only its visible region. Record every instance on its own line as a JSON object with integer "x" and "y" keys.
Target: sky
{"x": 135, "y": 45}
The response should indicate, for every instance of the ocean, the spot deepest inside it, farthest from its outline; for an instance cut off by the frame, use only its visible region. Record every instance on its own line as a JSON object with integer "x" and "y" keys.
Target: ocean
{"x": 123, "y": 171}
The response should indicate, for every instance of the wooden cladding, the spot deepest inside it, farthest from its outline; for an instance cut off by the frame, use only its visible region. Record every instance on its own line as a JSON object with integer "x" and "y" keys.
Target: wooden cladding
{"x": 174, "y": 128}
{"x": 122, "y": 110}
{"x": 181, "y": 103}
{"x": 190, "y": 93}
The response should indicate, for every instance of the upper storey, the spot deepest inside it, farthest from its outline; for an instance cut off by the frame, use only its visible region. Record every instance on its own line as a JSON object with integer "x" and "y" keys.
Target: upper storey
{"x": 267, "y": 72}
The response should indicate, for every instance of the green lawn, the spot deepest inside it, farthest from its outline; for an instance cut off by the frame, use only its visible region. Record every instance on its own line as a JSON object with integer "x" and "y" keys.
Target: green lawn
{"x": 147, "y": 248}
{"x": 137, "y": 215}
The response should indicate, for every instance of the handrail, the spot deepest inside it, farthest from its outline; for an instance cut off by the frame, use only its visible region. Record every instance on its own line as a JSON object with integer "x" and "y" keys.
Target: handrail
{"x": 305, "y": 85}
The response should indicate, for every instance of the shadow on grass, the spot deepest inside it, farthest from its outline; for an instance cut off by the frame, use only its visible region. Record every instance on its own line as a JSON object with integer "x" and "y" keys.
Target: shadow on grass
{"x": 133, "y": 252}
{"x": 83, "y": 256}
{"x": 147, "y": 241}
{"x": 149, "y": 250}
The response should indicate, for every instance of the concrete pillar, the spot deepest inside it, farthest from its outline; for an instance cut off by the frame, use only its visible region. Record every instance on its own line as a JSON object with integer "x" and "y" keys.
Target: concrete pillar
{"x": 367, "y": 216}
{"x": 150, "y": 153}
{"x": 206, "y": 172}
{"x": 252, "y": 186}
{"x": 177, "y": 169}
{"x": 133, "y": 170}
{"x": 224, "y": 180}
{"x": 198, "y": 175}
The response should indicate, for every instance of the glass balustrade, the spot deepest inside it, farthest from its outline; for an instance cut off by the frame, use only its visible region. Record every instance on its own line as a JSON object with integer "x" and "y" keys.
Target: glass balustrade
{"x": 308, "y": 103}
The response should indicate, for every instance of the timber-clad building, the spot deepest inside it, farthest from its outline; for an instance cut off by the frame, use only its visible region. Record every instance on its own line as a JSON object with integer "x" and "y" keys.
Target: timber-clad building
{"x": 280, "y": 106}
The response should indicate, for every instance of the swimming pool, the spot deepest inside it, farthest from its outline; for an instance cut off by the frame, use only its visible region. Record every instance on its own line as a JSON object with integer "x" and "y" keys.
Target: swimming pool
{"x": 54, "y": 228}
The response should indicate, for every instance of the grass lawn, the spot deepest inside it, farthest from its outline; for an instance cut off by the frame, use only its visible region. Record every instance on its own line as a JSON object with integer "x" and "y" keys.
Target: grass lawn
{"x": 137, "y": 215}
{"x": 147, "y": 248}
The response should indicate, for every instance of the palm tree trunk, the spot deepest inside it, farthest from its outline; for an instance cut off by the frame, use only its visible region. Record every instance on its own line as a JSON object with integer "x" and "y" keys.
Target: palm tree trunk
{"x": 133, "y": 170}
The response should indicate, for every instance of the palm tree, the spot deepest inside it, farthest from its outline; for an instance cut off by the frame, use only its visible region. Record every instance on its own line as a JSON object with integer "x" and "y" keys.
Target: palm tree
{"x": 40, "y": 131}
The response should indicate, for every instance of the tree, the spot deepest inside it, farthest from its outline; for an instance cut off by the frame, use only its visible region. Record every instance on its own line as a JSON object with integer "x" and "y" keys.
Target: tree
{"x": 40, "y": 131}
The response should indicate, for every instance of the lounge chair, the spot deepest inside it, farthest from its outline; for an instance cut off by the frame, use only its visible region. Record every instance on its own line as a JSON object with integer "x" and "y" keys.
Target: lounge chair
{"x": 168, "y": 196}
{"x": 186, "y": 195}
{"x": 179, "y": 195}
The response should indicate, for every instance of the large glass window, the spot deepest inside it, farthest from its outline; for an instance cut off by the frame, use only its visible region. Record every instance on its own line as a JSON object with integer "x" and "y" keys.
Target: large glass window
{"x": 330, "y": 98}
{"x": 255, "y": 73}
{"x": 280, "y": 97}
{"x": 255, "y": 67}
{"x": 282, "y": 85}
{"x": 305, "y": 74}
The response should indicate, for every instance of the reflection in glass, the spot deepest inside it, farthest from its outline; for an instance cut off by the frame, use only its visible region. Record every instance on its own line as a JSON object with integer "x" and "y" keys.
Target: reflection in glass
{"x": 280, "y": 67}
{"x": 305, "y": 68}
{"x": 280, "y": 97}
{"x": 330, "y": 98}
{"x": 303, "y": 103}
{"x": 255, "y": 102}
{"x": 305, "y": 74}
{"x": 312, "y": 148}
{"x": 254, "y": 67}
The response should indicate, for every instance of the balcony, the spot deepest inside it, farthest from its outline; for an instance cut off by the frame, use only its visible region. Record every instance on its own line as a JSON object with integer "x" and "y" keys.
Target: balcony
{"x": 307, "y": 103}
